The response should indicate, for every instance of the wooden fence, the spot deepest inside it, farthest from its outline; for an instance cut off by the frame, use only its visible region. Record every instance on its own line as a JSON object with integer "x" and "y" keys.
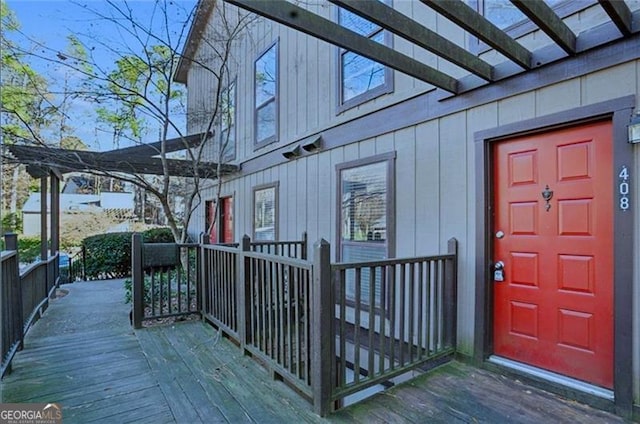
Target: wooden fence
{"x": 165, "y": 280}
{"x": 24, "y": 296}
{"x": 332, "y": 330}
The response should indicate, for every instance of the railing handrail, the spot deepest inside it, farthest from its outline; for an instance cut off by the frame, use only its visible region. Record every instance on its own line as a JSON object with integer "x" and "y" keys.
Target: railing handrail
{"x": 6, "y": 254}
{"x": 37, "y": 264}
{"x": 391, "y": 261}
{"x": 284, "y": 260}
{"x": 220, "y": 248}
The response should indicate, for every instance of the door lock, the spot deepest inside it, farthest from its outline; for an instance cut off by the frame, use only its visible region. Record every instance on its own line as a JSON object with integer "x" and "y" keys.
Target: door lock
{"x": 498, "y": 272}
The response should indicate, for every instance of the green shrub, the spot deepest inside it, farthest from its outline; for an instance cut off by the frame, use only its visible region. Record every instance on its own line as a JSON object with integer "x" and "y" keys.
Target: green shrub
{"x": 158, "y": 235}
{"x": 109, "y": 255}
{"x": 11, "y": 223}
{"x": 28, "y": 249}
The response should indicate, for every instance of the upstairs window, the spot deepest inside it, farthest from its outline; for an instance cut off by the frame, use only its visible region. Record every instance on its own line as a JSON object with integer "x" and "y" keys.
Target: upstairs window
{"x": 266, "y": 97}
{"x": 361, "y": 79}
{"x": 228, "y": 123}
{"x": 265, "y": 212}
{"x": 503, "y": 13}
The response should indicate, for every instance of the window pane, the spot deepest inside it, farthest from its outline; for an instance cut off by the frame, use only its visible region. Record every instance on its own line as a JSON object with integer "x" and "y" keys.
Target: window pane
{"x": 360, "y": 74}
{"x": 266, "y": 122}
{"x": 503, "y": 13}
{"x": 266, "y": 76}
{"x": 356, "y": 23}
{"x": 265, "y": 214}
{"x": 227, "y": 126}
{"x": 364, "y": 203}
{"x": 228, "y": 143}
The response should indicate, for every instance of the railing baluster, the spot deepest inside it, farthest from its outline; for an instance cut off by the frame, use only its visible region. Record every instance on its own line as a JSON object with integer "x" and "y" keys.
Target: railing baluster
{"x": 383, "y": 316}
{"x": 402, "y": 335}
{"x": 372, "y": 320}
{"x": 356, "y": 329}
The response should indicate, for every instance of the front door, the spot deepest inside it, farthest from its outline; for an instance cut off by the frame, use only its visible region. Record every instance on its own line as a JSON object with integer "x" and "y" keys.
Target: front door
{"x": 553, "y": 234}
{"x": 226, "y": 219}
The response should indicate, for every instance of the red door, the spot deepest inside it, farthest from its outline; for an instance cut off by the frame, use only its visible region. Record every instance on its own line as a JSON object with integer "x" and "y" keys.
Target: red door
{"x": 226, "y": 219}
{"x": 554, "y": 309}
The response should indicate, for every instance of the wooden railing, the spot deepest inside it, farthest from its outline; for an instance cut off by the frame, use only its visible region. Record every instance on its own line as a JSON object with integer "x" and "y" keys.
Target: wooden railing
{"x": 332, "y": 330}
{"x": 24, "y": 296}
{"x": 392, "y": 316}
{"x": 165, "y": 280}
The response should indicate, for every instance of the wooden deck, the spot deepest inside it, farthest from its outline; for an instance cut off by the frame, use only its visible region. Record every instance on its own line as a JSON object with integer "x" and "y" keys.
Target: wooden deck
{"x": 84, "y": 355}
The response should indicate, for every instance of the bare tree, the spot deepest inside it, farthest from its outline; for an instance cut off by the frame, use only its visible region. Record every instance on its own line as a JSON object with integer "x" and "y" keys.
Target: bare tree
{"x": 138, "y": 94}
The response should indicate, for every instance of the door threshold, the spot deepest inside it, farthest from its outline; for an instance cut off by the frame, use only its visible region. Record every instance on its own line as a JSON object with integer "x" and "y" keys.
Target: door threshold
{"x": 553, "y": 377}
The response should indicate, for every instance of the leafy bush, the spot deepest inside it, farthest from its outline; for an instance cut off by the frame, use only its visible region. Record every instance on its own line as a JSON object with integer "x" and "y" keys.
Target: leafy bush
{"x": 109, "y": 255}
{"x": 11, "y": 223}
{"x": 158, "y": 235}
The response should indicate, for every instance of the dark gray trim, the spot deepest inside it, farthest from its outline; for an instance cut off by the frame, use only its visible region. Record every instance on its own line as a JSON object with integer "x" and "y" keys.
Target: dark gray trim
{"x": 295, "y": 17}
{"x": 390, "y": 159}
{"x": 623, "y": 254}
{"x": 276, "y": 185}
{"x": 276, "y": 98}
{"x": 546, "y": 19}
{"x": 405, "y": 27}
{"x": 429, "y": 106}
{"x": 619, "y": 111}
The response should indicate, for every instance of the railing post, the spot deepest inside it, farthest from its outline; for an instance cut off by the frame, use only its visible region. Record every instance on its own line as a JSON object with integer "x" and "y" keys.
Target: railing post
{"x": 202, "y": 273}
{"x": 450, "y": 295}
{"x": 137, "y": 280}
{"x": 303, "y": 249}
{"x": 244, "y": 291}
{"x": 14, "y": 302}
{"x": 323, "y": 337}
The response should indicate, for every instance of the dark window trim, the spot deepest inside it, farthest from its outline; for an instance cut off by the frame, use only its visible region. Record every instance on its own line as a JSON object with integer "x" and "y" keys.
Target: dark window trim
{"x": 525, "y": 26}
{"x": 386, "y": 88}
{"x": 276, "y": 186}
{"x": 234, "y": 156}
{"x": 271, "y": 139}
{"x": 390, "y": 160}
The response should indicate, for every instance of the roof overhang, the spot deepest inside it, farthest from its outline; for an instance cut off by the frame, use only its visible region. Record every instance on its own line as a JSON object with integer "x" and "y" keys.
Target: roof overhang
{"x": 196, "y": 31}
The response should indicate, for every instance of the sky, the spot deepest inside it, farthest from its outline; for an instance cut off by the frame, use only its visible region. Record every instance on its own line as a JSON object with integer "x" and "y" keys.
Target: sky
{"x": 50, "y": 22}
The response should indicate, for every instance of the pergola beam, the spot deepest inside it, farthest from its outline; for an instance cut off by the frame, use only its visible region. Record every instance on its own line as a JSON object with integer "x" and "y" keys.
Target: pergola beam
{"x": 305, "y": 21}
{"x": 545, "y": 18}
{"x": 41, "y": 159}
{"x": 620, "y": 14}
{"x": 407, "y": 28}
{"x": 470, "y": 20}
{"x": 154, "y": 149}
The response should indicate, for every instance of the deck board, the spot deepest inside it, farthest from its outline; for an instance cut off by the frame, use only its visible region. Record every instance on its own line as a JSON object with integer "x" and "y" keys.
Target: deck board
{"x": 84, "y": 355}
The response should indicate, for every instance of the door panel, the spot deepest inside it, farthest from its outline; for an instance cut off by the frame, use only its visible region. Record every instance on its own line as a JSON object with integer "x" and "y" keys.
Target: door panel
{"x": 554, "y": 309}
{"x": 226, "y": 219}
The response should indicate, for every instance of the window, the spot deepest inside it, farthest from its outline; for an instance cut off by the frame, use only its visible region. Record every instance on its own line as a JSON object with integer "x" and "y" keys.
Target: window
{"x": 228, "y": 122}
{"x": 361, "y": 79}
{"x": 366, "y": 205}
{"x": 265, "y": 212}
{"x": 266, "y": 85}
{"x": 504, "y": 14}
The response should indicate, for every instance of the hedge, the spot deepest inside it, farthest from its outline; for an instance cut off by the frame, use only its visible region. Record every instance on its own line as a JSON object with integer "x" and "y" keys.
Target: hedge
{"x": 109, "y": 255}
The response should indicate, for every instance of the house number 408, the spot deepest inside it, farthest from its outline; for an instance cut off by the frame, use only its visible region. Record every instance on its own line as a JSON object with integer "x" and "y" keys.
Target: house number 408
{"x": 623, "y": 188}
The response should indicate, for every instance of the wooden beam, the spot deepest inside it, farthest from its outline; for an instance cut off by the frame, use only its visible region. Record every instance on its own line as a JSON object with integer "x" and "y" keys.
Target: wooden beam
{"x": 39, "y": 158}
{"x": 470, "y": 20}
{"x": 620, "y": 14}
{"x": 154, "y": 149}
{"x": 305, "y": 21}
{"x": 546, "y": 19}
{"x": 394, "y": 21}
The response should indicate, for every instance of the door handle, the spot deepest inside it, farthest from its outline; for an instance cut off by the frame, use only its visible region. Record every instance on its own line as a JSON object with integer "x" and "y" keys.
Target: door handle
{"x": 498, "y": 272}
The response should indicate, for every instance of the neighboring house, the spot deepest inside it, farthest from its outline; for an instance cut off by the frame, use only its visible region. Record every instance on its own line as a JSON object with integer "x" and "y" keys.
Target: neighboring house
{"x": 118, "y": 204}
{"x": 522, "y": 156}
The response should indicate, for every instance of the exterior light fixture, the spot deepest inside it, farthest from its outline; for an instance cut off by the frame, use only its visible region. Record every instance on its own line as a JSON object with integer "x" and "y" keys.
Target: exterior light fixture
{"x": 313, "y": 145}
{"x": 634, "y": 129}
{"x": 292, "y": 153}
